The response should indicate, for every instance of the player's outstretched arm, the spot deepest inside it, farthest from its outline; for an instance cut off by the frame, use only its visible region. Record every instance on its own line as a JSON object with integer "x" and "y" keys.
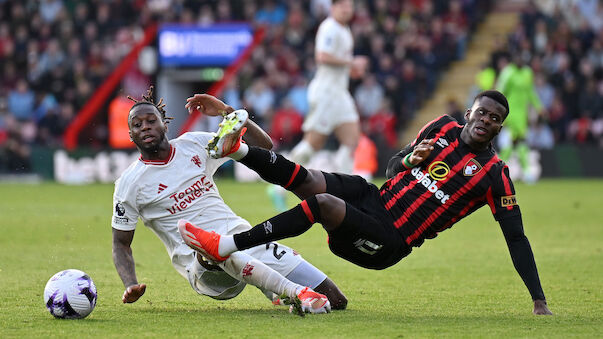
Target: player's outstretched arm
{"x": 124, "y": 264}
{"x": 212, "y": 106}
{"x": 523, "y": 260}
{"x": 207, "y": 104}
{"x": 540, "y": 308}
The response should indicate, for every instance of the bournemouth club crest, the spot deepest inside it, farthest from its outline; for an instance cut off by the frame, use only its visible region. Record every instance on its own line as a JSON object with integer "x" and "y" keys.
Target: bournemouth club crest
{"x": 471, "y": 168}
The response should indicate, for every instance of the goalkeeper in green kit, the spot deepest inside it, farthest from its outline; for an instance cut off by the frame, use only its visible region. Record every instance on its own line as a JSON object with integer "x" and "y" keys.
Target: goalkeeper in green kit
{"x": 516, "y": 82}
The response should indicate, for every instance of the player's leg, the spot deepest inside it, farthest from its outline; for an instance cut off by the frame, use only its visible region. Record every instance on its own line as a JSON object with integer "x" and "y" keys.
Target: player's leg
{"x": 278, "y": 170}
{"x": 294, "y": 267}
{"x": 244, "y": 267}
{"x": 348, "y": 135}
{"x": 351, "y": 212}
{"x": 211, "y": 280}
{"x": 312, "y": 142}
{"x": 301, "y": 154}
{"x": 353, "y": 234}
{"x": 347, "y": 132}
{"x": 505, "y": 143}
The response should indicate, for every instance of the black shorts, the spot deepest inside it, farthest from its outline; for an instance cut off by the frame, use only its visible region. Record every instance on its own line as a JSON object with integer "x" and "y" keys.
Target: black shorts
{"x": 367, "y": 236}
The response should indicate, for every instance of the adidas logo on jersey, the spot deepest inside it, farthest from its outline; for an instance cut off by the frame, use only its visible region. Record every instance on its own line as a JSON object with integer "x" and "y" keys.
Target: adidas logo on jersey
{"x": 161, "y": 188}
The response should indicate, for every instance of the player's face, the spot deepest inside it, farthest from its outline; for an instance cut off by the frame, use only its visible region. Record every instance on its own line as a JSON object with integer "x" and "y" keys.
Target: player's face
{"x": 484, "y": 120}
{"x": 147, "y": 130}
{"x": 343, "y": 10}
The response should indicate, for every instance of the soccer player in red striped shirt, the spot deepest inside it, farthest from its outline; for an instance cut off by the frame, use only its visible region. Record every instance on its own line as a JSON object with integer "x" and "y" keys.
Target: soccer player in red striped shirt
{"x": 448, "y": 172}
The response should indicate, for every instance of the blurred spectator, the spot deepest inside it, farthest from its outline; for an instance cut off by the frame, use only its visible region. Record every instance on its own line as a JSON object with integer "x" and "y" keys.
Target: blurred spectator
{"x": 260, "y": 98}
{"x": 271, "y": 13}
{"x": 381, "y": 126}
{"x": 540, "y": 135}
{"x": 53, "y": 125}
{"x": 454, "y": 109}
{"x": 50, "y": 9}
{"x": 285, "y": 129}
{"x": 368, "y": 96}
{"x": 545, "y": 91}
{"x": 15, "y": 152}
{"x": 21, "y": 101}
{"x": 65, "y": 50}
{"x": 298, "y": 95}
{"x": 231, "y": 94}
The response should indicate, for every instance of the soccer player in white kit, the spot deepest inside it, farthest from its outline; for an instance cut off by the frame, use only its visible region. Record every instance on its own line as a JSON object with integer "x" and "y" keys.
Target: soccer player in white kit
{"x": 332, "y": 108}
{"x": 173, "y": 180}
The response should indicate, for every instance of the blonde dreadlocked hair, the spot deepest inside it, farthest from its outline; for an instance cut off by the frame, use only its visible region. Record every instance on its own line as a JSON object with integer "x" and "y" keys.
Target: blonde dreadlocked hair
{"x": 148, "y": 99}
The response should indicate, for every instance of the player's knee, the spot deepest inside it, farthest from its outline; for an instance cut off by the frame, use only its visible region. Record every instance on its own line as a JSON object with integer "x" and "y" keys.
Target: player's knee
{"x": 314, "y": 183}
{"x": 313, "y": 179}
{"x": 337, "y": 299}
{"x": 340, "y": 302}
{"x": 332, "y": 210}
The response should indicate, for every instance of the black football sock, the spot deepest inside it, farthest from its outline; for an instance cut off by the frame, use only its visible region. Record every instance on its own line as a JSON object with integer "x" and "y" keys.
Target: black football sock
{"x": 285, "y": 225}
{"x": 274, "y": 168}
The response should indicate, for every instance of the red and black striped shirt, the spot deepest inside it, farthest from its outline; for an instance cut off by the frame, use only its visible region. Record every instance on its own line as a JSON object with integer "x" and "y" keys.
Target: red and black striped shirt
{"x": 449, "y": 185}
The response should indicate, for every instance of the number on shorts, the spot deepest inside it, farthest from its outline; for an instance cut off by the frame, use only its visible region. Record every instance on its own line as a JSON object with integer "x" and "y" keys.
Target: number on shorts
{"x": 278, "y": 256}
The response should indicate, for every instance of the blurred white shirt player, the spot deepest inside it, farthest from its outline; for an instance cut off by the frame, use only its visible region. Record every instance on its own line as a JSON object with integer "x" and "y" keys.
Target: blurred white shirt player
{"x": 181, "y": 186}
{"x": 332, "y": 108}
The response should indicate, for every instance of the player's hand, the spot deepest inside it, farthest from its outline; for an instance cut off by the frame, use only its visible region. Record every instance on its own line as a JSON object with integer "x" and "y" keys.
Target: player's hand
{"x": 207, "y": 104}
{"x": 540, "y": 308}
{"x": 132, "y": 293}
{"x": 359, "y": 66}
{"x": 421, "y": 151}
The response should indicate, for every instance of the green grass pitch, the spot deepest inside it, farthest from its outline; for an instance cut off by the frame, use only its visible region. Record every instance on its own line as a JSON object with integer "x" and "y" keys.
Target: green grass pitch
{"x": 461, "y": 284}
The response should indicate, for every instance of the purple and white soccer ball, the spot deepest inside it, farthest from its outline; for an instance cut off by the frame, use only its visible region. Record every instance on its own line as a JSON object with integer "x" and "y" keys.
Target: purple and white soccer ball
{"x": 70, "y": 294}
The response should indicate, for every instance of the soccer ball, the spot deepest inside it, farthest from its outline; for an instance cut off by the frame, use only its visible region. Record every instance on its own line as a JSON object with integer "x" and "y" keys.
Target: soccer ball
{"x": 70, "y": 294}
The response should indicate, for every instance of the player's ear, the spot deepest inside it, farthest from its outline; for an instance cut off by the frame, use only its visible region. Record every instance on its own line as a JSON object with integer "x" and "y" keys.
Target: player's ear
{"x": 130, "y": 134}
{"x": 467, "y": 114}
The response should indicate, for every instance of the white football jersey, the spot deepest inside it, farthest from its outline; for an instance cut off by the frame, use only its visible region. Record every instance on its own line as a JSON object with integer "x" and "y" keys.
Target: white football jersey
{"x": 335, "y": 39}
{"x": 181, "y": 187}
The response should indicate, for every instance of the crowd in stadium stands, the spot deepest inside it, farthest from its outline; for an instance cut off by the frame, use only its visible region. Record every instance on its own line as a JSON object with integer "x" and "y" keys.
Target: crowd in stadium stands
{"x": 562, "y": 42}
{"x": 55, "y": 54}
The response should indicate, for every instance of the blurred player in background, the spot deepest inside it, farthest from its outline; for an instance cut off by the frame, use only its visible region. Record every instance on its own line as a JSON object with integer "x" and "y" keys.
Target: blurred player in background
{"x": 332, "y": 108}
{"x": 516, "y": 82}
{"x": 173, "y": 179}
{"x": 445, "y": 174}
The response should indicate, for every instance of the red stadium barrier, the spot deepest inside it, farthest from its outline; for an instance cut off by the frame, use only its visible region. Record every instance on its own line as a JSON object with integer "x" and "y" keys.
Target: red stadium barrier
{"x": 100, "y": 96}
{"x": 217, "y": 88}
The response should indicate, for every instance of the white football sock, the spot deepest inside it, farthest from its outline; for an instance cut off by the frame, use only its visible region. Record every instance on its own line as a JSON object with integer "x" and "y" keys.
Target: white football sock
{"x": 240, "y": 153}
{"x": 301, "y": 153}
{"x": 246, "y": 268}
{"x": 226, "y": 245}
{"x": 344, "y": 159}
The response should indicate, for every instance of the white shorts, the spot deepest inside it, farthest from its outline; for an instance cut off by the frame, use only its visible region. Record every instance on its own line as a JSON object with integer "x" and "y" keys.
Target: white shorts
{"x": 329, "y": 108}
{"x": 281, "y": 258}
